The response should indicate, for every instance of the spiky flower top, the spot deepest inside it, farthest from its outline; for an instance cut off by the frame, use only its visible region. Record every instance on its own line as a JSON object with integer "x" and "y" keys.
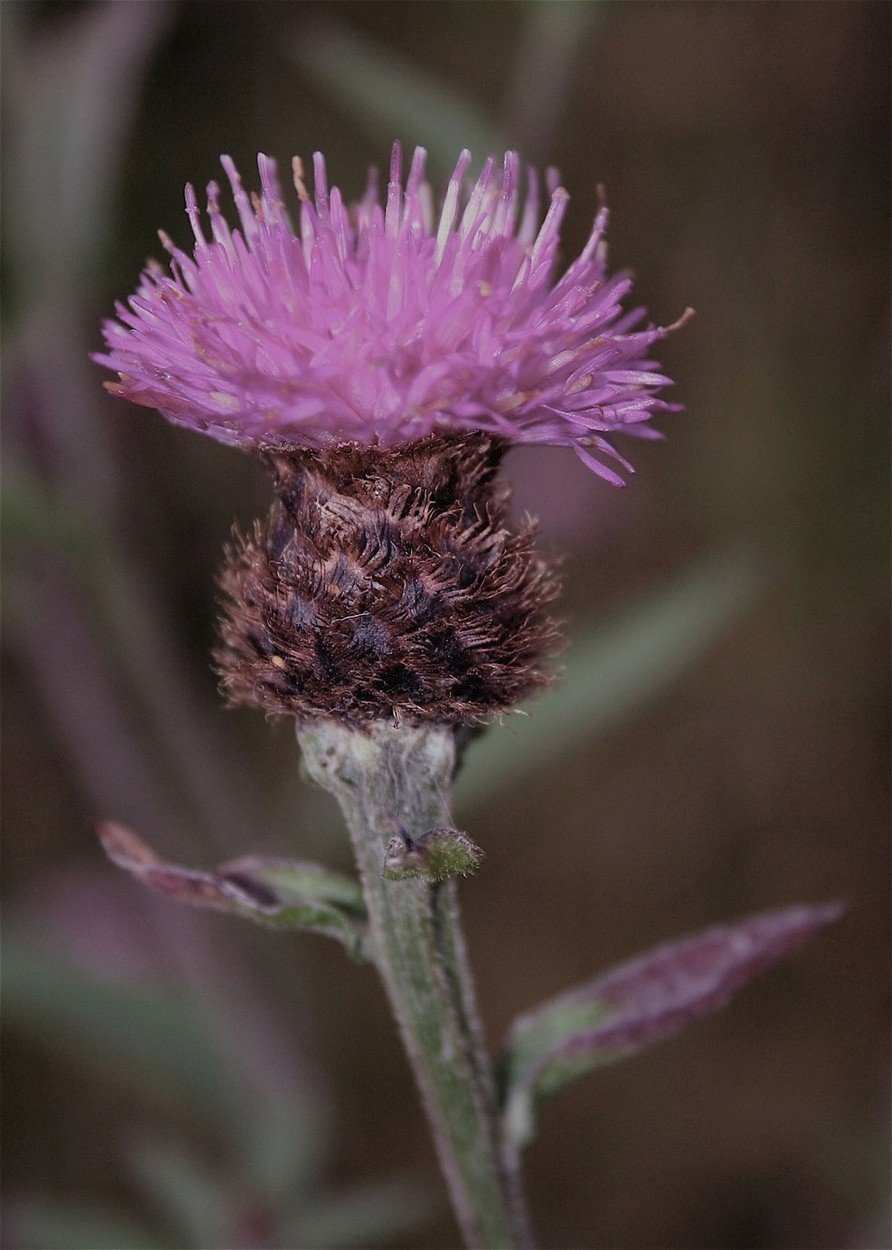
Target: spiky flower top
{"x": 384, "y": 324}
{"x": 379, "y": 361}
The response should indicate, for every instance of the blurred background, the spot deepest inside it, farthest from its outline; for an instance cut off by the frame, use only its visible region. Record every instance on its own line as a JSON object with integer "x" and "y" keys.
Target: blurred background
{"x": 175, "y": 1079}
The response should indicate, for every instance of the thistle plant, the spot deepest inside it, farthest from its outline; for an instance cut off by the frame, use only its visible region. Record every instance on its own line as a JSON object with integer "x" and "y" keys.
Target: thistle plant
{"x": 379, "y": 360}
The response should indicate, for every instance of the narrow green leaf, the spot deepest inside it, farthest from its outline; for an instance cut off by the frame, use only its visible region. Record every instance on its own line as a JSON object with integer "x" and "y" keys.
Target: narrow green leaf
{"x": 72, "y": 91}
{"x": 160, "y": 1045}
{"x": 33, "y": 514}
{"x": 282, "y": 1151}
{"x": 196, "y": 1201}
{"x": 297, "y": 881}
{"x": 364, "y": 1215}
{"x": 154, "y": 1039}
{"x": 383, "y": 91}
{"x": 46, "y": 1224}
{"x": 284, "y": 894}
{"x": 639, "y": 1003}
{"x": 554, "y": 39}
{"x": 611, "y": 671}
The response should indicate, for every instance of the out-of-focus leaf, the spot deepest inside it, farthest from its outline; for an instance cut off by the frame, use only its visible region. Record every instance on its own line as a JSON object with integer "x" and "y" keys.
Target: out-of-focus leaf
{"x": 194, "y": 1199}
{"x": 44, "y": 1224}
{"x": 283, "y": 1151}
{"x": 639, "y": 1003}
{"x": 156, "y": 1041}
{"x": 161, "y": 1045}
{"x": 71, "y": 92}
{"x": 552, "y": 40}
{"x": 282, "y": 893}
{"x": 384, "y": 93}
{"x": 365, "y": 1214}
{"x": 611, "y": 671}
{"x": 29, "y": 511}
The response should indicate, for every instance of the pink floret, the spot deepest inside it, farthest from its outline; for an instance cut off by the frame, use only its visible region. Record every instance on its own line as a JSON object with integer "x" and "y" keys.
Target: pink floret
{"x": 385, "y": 324}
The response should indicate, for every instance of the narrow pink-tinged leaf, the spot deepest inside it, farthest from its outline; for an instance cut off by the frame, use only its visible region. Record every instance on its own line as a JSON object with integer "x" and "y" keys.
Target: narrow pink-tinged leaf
{"x": 641, "y": 1002}
{"x": 285, "y": 894}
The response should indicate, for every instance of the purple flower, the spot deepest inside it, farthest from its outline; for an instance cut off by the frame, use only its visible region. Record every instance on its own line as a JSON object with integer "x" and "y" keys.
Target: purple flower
{"x": 383, "y": 325}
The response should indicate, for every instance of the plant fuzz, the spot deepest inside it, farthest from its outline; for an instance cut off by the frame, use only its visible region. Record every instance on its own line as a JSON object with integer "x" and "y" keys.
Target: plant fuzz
{"x": 386, "y": 583}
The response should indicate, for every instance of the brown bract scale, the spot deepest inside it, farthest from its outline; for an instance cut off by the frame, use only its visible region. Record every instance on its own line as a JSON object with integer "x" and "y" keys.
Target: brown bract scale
{"x": 387, "y": 583}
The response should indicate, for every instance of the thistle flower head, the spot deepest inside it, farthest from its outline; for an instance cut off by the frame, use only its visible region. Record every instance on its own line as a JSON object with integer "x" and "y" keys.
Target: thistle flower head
{"x": 382, "y": 325}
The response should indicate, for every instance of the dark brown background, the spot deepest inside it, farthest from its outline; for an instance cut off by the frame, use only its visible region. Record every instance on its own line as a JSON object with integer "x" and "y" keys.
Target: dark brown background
{"x": 745, "y": 151}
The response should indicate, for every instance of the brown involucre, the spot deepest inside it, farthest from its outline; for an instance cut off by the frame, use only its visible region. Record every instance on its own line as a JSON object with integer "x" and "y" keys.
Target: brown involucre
{"x": 387, "y": 583}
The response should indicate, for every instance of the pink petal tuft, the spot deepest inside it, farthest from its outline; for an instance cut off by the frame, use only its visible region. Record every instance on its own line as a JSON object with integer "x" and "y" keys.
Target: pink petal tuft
{"x": 380, "y": 325}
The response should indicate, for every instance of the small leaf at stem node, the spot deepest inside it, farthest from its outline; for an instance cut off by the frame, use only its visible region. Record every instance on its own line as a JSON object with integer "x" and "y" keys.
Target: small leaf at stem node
{"x": 639, "y": 1003}
{"x": 282, "y": 893}
{"x": 435, "y": 856}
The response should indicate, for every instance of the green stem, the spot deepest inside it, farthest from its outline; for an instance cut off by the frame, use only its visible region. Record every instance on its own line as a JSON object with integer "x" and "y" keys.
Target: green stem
{"x": 388, "y": 780}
